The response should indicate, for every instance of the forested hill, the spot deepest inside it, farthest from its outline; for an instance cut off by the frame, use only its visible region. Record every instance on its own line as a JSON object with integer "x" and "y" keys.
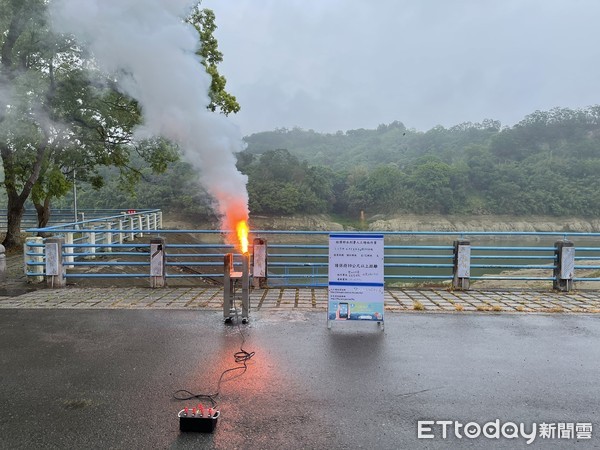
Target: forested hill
{"x": 392, "y": 143}
{"x": 546, "y": 165}
{"x": 549, "y": 164}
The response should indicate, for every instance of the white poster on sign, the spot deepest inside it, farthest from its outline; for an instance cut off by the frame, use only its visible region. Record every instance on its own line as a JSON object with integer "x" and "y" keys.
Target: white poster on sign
{"x": 355, "y": 277}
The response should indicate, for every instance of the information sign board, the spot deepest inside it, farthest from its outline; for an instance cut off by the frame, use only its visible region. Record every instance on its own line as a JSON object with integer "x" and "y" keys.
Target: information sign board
{"x": 355, "y": 277}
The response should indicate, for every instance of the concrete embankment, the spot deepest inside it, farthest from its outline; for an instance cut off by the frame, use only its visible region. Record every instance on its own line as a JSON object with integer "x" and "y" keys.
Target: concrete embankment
{"x": 485, "y": 223}
{"x": 411, "y": 222}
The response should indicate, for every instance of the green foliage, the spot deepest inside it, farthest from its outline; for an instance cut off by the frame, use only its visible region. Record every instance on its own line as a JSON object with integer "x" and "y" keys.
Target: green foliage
{"x": 53, "y": 183}
{"x": 459, "y": 171}
{"x": 35, "y": 67}
{"x": 61, "y": 119}
{"x": 204, "y": 22}
{"x": 280, "y": 184}
{"x": 176, "y": 190}
{"x": 547, "y": 164}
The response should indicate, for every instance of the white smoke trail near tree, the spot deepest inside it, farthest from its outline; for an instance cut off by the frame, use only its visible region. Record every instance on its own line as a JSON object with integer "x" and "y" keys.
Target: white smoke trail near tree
{"x": 151, "y": 51}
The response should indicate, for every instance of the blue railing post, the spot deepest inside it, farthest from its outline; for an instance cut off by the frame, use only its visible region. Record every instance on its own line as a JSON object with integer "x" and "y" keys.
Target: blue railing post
{"x": 564, "y": 271}
{"x": 462, "y": 265}
{"x": 33, "y": 251}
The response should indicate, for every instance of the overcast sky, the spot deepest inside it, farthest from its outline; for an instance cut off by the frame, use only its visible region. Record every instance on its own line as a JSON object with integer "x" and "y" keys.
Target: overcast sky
{"x": 333, "y": 65}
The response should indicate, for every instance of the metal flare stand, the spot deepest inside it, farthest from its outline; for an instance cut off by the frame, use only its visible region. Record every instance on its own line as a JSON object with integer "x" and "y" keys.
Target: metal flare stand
{"x": 232, "y": 283}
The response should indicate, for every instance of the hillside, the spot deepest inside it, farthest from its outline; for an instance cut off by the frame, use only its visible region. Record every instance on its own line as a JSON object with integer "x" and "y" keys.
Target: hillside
{"x": 414, "y": 222}
{"x": 547, "y": 164}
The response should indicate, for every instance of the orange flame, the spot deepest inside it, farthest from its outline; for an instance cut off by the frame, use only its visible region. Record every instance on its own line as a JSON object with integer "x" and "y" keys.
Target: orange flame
{"x": 242, "y": 231}
{"x": 234, "y": 221}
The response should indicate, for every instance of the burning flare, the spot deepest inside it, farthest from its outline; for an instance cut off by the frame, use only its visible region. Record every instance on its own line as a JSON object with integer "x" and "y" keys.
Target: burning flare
{"x": 242, "y": 231}
{"x": 234, "y": 220}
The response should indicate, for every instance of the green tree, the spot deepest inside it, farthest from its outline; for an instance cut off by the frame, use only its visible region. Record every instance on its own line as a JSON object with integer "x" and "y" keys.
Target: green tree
{"x": 480, "y": 166}
{"x": 204, "y": 21}
{"x": 58, "y": 119}
{"x": 29, "y": 76}
{"x": 430, "y": 182}
{"x": 356, "y": 196}
{"x": 384, "y": 186}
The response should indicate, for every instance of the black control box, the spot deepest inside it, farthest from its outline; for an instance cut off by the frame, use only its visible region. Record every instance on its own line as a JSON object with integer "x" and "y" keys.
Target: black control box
{"x": 198, "y": 420}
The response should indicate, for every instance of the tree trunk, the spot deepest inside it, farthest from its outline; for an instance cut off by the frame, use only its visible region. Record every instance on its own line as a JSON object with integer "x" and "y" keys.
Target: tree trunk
{"x": 16, "y": 200}
{"x": 16, "y": 208}
{"x": 43, "y": 214}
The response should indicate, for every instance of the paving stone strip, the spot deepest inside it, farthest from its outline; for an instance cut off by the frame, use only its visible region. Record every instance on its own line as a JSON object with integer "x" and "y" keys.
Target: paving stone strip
{"x": 427, "y": 300}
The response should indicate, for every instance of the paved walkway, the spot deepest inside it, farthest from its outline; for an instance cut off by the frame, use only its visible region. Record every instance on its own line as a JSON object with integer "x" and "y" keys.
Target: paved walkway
{"x": 211, "y": 298}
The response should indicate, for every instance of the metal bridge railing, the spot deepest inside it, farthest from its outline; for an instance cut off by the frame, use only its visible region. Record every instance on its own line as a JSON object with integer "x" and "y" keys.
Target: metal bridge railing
{"x": 115, "y": 247}
{"x": 60, "y": 216}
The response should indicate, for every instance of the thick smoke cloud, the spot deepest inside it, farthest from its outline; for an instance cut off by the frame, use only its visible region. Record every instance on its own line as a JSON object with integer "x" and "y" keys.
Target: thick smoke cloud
{"x": 151, "y": 51}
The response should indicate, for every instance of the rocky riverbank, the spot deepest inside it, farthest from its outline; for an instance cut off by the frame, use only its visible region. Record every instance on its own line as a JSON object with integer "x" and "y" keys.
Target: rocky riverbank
{"x": 432, "y": 223}
{"x": 485, "y": 223}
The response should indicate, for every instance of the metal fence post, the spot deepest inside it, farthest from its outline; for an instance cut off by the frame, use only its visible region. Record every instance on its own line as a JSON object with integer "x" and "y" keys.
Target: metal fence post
{"x": 157, "y": 262}
{"x": 245, "y": 287}
{"x": 141, "y": 219}
{"x": 120, "y": 231}
{"x": 70, "y": 258}
{"x": 55, "y": 269}
{"x": 2, "y": 263}
{"x": 227, "y": 285}
{"x": 259, "y": 266}
{"x": 109, "y": 237}
{"x": 131, "y": 227}
{"x": 462, "y": 265}
{"x": 92, "y": 242}
{"x": 564, "y": 270}
{"x": 33, "y": 257}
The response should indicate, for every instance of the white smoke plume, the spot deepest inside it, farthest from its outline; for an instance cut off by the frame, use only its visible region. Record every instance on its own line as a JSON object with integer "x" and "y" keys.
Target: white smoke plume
{"x": 151, "y": 51}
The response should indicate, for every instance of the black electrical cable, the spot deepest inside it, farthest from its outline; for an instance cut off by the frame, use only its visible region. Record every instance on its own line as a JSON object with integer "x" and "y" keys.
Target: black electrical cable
{"x": 240, "y": 357}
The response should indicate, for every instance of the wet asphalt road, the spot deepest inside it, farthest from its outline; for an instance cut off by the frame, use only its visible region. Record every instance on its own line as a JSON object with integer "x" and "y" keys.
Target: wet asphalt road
{"x": 105, "y": 378}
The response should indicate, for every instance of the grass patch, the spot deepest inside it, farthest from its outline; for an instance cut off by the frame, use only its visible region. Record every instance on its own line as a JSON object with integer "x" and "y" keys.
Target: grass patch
{"x": 418, "y": 306}
{"x": 520, "y": 308}
{"x": 497, "y": 308}
{"x": 556, "y": 309}
{"x": 459, "y": 307}
{"x": 483, "y": 308}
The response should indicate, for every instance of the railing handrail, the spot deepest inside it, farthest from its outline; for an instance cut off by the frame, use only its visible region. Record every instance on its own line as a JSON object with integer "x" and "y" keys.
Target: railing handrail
{"x": 75, "y": 227}
{"x": 290, "y": 260}
{"x": 60, "y": 216}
